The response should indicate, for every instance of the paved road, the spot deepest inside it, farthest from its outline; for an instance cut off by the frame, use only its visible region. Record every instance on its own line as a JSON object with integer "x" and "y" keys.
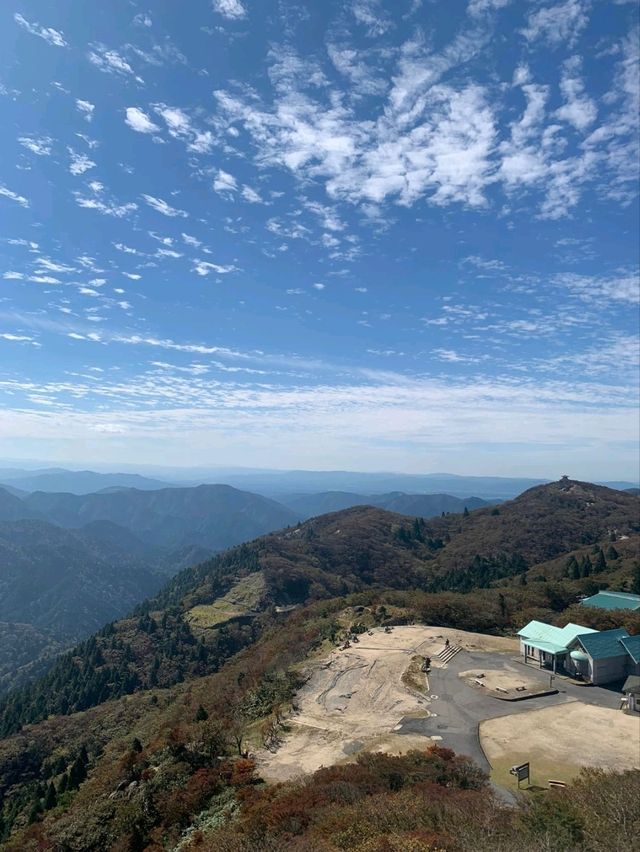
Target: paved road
{"x": 459, "y": 708}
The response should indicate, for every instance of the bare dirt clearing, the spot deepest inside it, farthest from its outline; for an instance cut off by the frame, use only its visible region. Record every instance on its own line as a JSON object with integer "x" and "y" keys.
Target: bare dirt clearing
{"x": 354, "y": 699}
{"x": 558, "y": 741}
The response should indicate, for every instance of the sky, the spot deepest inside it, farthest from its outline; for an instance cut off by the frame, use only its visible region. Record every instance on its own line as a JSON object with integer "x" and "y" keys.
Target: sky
{"x": 366, "y": 234}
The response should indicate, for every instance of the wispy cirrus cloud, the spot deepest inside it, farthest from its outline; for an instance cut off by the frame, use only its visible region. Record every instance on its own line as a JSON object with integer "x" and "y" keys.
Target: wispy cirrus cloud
{"x": 79, "y": 163}
{"x": 98, "y": 200}
{"x": 111, "y": 62}
{"x": 48, "y": 34}
{"x": 5, "y": 192}
{"x": 86, "y": 108}
{"x": 163, "y": 207}
{"x": 41, "y": 146}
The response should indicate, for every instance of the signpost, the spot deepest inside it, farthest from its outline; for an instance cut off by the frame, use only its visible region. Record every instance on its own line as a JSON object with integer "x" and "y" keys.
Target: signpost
{"x": 521, "y": 772}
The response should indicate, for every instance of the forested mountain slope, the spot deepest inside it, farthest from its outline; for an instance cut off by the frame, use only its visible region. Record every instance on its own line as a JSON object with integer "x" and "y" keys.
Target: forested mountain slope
{"x": 209, "y": 516}
{"x": 164, "y": 699}
{"x": 63, "y": 585}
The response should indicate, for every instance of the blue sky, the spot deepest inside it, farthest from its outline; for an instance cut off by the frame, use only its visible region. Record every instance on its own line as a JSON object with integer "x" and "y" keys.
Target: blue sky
{"x": 360, "y": 234}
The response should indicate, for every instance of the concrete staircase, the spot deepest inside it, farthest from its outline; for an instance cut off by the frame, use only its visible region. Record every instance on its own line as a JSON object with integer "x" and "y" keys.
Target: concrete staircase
{"x": 448, "y": 653}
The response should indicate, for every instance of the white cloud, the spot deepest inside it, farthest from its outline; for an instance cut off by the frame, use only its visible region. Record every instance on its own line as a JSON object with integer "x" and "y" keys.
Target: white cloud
{"x": 143, "y": 19}
{"x": 180, "y": 126}
{"x": 578, "y": 109}
{"x": 624, "y": 287}
{"x": 80, "y": 163}
{"x": 202, "y": 267}
{"x": 558, "y": 24}
{"x": 51, "y": 36}
{"x": 319, "y": 286}
{"x": 249, "y": 194}
{"x": 230, "y": 9}
{"x": 111, "y": 62}
{"x": 13, "y": 196}
{"x": 162, "y": 207}
{"x": 370, "y": 14}
{"x": 98, "y": 201}
{"x": 191, "y": 241}
{"x": 478, "y": 7}
{"x": 224, "y": 183}
{"x": 139, "y": 121}
{"x": 163, "y": 252}
{"x": 86, "y": 108}
{"x": 37, "y": 145}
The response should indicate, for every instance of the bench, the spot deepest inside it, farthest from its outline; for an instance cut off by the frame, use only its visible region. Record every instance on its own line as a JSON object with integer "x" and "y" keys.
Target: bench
{"x": 556, "y": 783}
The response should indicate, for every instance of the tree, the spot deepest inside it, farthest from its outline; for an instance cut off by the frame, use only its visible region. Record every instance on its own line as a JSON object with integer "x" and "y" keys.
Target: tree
{"x": 466, "y": 512}
{"x": 601, "y": 563}
{"x": 612, "y": 553}
{"x": 201, "y": 714}
{"x": 51, "y": 799}
{"x": 586, "y": 567}
{"x": 635, "y": 582}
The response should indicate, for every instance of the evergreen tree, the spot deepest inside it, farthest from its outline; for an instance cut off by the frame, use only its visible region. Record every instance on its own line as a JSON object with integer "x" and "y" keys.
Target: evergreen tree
{"x": 601, "y": 563}
{"x": 587, "y": 567}
{"x": 466, "y": 512}
{"x": 201, "y": 714}
{"x": 635, "y": 582}
{"x": 51, "y": 799}
{"x": 612, "y": 553}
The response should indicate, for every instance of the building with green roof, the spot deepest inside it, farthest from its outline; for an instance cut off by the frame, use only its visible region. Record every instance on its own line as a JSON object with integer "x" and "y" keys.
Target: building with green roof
{"x": 548, "y": 645}
{"x": 613, "y": 600}
{"x": 605, "y": 656}
{"x": 596, "y": 656}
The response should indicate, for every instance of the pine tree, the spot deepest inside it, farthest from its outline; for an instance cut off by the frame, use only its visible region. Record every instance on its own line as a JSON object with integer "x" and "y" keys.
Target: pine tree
{"x": 51, "y": 799}
{"x": 601, "y": 563}
{"x": 612, "y": 553}
{"x": 635, "y": 582}
{"x": 466, "y": 512}
{"x": 586, "y": 567}
{"x": 201, "y": 714}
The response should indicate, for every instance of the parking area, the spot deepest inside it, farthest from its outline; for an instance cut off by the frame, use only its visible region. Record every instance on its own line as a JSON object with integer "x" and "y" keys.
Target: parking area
{"x": 577, "y": 726}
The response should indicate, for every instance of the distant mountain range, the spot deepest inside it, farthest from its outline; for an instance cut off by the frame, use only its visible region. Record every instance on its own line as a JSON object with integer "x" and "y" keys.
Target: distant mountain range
{"x": 420, "y": 505}
{"x": 276, "y": 483}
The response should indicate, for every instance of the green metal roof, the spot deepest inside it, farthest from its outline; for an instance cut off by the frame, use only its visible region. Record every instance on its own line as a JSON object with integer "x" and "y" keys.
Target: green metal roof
{"x": 613, "y": 600}
{"x": 632, "y": 646}
{"x": 537, "y": 633}
{"x": 549, "y": 647}
{"x": 606, "y": 643}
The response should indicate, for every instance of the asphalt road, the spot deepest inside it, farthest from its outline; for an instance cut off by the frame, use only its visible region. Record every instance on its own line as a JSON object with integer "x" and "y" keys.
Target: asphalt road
{"x": 459, "y": 708}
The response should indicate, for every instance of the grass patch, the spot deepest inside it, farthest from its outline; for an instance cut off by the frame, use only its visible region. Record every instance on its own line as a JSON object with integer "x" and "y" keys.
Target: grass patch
{"x": 243, "y": 598}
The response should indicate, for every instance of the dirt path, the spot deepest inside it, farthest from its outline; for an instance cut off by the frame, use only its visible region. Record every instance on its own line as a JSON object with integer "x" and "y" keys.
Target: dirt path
{"x": 355, "y": 699}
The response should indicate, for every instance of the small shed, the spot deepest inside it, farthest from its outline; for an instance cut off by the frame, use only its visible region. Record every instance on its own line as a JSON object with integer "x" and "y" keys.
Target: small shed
{"x": 631, "y": 689}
